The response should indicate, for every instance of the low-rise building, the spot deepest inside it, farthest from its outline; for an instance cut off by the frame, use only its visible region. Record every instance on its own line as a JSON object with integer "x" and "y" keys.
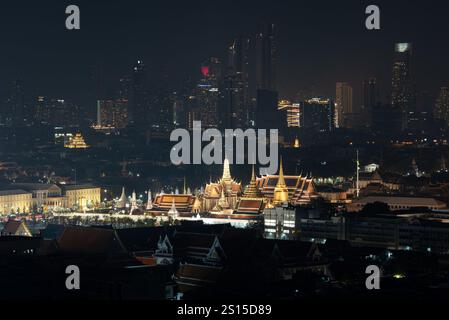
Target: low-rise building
{"x": 83, "y": 196}
{"x": 397, "y": 203}
{"x": 15, "y": 201}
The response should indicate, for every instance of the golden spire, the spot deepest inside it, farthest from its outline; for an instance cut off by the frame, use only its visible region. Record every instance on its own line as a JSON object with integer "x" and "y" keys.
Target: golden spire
{"x": 226, "y": 171}
{"x": 280, "y": 191}
{"x": 252, "y": 191}
{"x": 281, "y": 180}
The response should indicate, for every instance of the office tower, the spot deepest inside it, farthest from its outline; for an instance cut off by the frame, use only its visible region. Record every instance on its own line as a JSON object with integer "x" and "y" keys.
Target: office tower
{"x": 317, "y": 115}
{"x": 387, "y": 120}
{"x": 267, "y": 115}
{"x": 291, "y": 113}
{"x": 14, "y": 112}
{"x": 235, "y": 92}
{"x": 344, "y": 105}
{"x": 161, "y": 108}
{"x": 207, "y": 93}
{"x": 138, "y": 97}
{"x": 266, "y": 57}
{"x": 441, "y": 108}
{"x": 178, "y": 112}
{"x": 57, "y": 112}
{"x": 402, "y": 83}
{"x": 125, "y": 88}
{"x": 112, "y": 113}
{"x": 41, "y": 114}
{"x": 370, "y": 98}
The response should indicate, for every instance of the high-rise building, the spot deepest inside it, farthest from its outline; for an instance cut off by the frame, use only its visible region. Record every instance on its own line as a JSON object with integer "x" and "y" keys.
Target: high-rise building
{"x": 441, "y": 108}
{"x": 291, "y": 112}
{"x": 112, "y": 113}
{"x": 267, "y": 115}
{"x": 370, "y": 98}
{"x": 266, "y": 57}
{"x": 56, "y": 112}
{"x": 235, "y": 92}
{"x": 317, "y": 115}
{"x": 161, "y": 110}
{"x": 344, "y": 108}
{"x": 138, "y": 98}
{"x": 14, "y": 111}
{"x": 402, "y": 83}
{"x": 208, "y": 93}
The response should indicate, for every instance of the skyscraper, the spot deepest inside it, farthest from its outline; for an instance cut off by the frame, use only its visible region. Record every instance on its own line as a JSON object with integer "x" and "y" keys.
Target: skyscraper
{"x": 138, "y": 103}
{"x": 207, "y": 93}
{"x": 370, "y": 98}
{"x": 266, "y": 57}
{"x": 236, "y": 100}
{"x": 15, "y": 111}
{"x": 267, "y": 114}
{"x": 317, "y": 115}
{"x": 402, "y": 83}
{"x": 344, "y": 110}
{"x": 112, "y": 113}
{"x": 441, "y": 108}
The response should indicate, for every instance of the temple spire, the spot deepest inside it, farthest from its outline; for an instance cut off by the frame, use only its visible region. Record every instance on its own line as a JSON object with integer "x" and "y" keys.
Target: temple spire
{"x": 173, "y": 212}
{"x": 150, "y": 201}
{"x": 281, "y": 179}
{"x": 226, "y": 171}
{"x": 121, "y": 203}
{"x": 133, "y": 202}
{"x": 280, "y": 191}
{"x": 252, "y": 191}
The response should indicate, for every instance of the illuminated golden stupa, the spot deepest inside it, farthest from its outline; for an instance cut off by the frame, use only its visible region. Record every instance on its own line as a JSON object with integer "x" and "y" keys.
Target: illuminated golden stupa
{"x": 281, "y": 190}
{"x": 77, "y": 142}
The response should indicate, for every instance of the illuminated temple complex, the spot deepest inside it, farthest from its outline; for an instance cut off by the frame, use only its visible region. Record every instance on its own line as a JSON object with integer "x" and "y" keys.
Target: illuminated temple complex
{"x": 226, "y": 197}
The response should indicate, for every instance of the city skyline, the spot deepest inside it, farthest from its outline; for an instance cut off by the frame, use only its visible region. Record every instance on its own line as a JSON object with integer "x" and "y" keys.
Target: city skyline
{"x": 312, "y": 56}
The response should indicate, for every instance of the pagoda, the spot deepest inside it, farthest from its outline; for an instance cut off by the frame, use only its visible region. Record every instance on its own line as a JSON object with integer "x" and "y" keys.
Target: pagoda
{"x": 77, "y": 142}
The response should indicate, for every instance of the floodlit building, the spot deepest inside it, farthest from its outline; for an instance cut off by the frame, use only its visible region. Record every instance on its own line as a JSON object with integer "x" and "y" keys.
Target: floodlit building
{"x": 82, "y": 196}
{"x": 15, "y": 201}
{"x": 76, "y": 142}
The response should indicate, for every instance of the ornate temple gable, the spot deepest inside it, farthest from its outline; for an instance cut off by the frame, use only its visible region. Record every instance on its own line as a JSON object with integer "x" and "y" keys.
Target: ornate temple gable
{"x": 216, "y": 253}
{"x": 314, "y": 253}
{"x": 213, "y": 192}
{"x": 164, "y": 245}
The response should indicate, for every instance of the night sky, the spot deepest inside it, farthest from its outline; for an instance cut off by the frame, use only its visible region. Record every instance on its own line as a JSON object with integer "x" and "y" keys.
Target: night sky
{"x": 319, "y": 42}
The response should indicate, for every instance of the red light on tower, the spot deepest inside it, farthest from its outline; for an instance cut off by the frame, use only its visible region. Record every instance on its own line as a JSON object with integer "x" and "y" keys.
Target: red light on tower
{"x": 205, "y": 71}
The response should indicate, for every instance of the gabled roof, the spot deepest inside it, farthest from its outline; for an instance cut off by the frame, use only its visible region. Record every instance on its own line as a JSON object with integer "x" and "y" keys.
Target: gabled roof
{"x": 52, "y": 231}
{"x": 12, "y": 227}
{"x": 141, "y": 239}
{"x": 85, "y": 240}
